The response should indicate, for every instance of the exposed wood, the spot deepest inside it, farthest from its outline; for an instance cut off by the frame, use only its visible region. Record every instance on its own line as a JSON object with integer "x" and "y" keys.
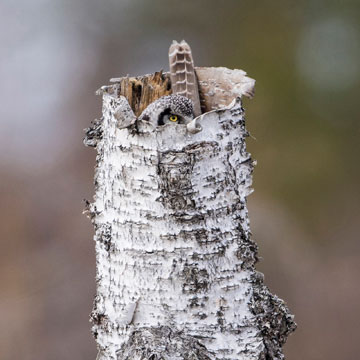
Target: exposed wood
{"x": 143, "y": 90}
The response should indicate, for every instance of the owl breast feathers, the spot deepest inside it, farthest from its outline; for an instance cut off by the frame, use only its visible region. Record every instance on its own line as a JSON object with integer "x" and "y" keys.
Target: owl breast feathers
{"x": 169, "y": 109}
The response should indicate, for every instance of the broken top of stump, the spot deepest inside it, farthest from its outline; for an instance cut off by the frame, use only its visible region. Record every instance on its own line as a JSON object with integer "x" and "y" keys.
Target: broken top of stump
{"x": 218, "y": 86}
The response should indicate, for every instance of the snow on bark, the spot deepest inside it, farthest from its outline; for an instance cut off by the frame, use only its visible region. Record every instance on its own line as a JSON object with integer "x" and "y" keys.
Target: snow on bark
{"x": 175, "y": 259}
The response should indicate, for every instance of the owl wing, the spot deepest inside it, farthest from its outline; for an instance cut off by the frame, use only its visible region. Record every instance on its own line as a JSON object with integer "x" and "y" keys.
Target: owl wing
{"x": 182, "y": 74}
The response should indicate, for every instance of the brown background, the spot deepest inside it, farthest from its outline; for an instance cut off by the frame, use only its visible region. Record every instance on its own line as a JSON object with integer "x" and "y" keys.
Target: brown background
{"x": 304, "y": 213}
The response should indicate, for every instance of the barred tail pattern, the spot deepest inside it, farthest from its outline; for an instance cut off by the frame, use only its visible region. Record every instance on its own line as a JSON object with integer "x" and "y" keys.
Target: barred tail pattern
{"x": 182, "y": 73}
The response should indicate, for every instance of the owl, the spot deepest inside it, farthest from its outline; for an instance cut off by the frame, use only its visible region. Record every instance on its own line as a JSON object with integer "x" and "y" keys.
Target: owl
{"x": 169, "y": 109}
{"x": 183, "y": 105}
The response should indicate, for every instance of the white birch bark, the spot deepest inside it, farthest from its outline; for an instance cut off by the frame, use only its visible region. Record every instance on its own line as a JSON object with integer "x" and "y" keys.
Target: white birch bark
{"x": 175, "y": 259}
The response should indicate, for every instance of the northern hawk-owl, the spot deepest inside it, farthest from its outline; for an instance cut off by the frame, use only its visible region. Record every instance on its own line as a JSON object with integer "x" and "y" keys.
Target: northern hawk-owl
{"x": 184, "y": 104}
{"x": 169, "y": 109}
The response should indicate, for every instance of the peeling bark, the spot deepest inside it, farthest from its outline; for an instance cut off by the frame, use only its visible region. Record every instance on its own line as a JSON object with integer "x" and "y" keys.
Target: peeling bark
{"x": 176, "y": 274}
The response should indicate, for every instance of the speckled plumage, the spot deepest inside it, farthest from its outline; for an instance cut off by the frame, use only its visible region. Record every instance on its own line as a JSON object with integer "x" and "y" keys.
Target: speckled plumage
{"x": 159, "y": 111}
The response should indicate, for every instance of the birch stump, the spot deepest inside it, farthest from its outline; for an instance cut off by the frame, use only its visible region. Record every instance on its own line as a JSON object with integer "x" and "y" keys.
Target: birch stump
{"x": 176, "y": 274}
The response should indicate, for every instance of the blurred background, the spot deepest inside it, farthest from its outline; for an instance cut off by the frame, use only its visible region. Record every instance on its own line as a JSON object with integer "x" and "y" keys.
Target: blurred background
{"x": 305, "y": 56}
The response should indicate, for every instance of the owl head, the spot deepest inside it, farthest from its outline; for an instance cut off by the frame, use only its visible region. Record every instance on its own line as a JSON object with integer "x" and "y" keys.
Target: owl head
{"x": 170, "y": 109}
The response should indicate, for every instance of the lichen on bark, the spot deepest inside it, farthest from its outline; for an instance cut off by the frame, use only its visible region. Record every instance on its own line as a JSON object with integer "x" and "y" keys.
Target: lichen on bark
{"x": 176, "y": 274}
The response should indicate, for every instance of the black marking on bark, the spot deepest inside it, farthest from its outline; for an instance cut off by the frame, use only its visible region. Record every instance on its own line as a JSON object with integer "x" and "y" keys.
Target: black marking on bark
{"x": 174, "y": 169}
{"x": 273, "y": 318}
{"x": 196, "y": 280}
{"x": 94, "y": 133}
{"x": 97, "y": 318}
{"x": 162, "y": 343}
{"x": 104, "y": 236}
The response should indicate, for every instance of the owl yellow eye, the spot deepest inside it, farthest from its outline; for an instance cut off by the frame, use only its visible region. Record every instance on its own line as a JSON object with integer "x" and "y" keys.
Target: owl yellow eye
{"x": 173, "y": 118}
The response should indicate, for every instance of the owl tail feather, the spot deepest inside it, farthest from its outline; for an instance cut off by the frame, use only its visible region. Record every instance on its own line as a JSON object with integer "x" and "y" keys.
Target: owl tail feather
{"x": 182, "y": 73}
